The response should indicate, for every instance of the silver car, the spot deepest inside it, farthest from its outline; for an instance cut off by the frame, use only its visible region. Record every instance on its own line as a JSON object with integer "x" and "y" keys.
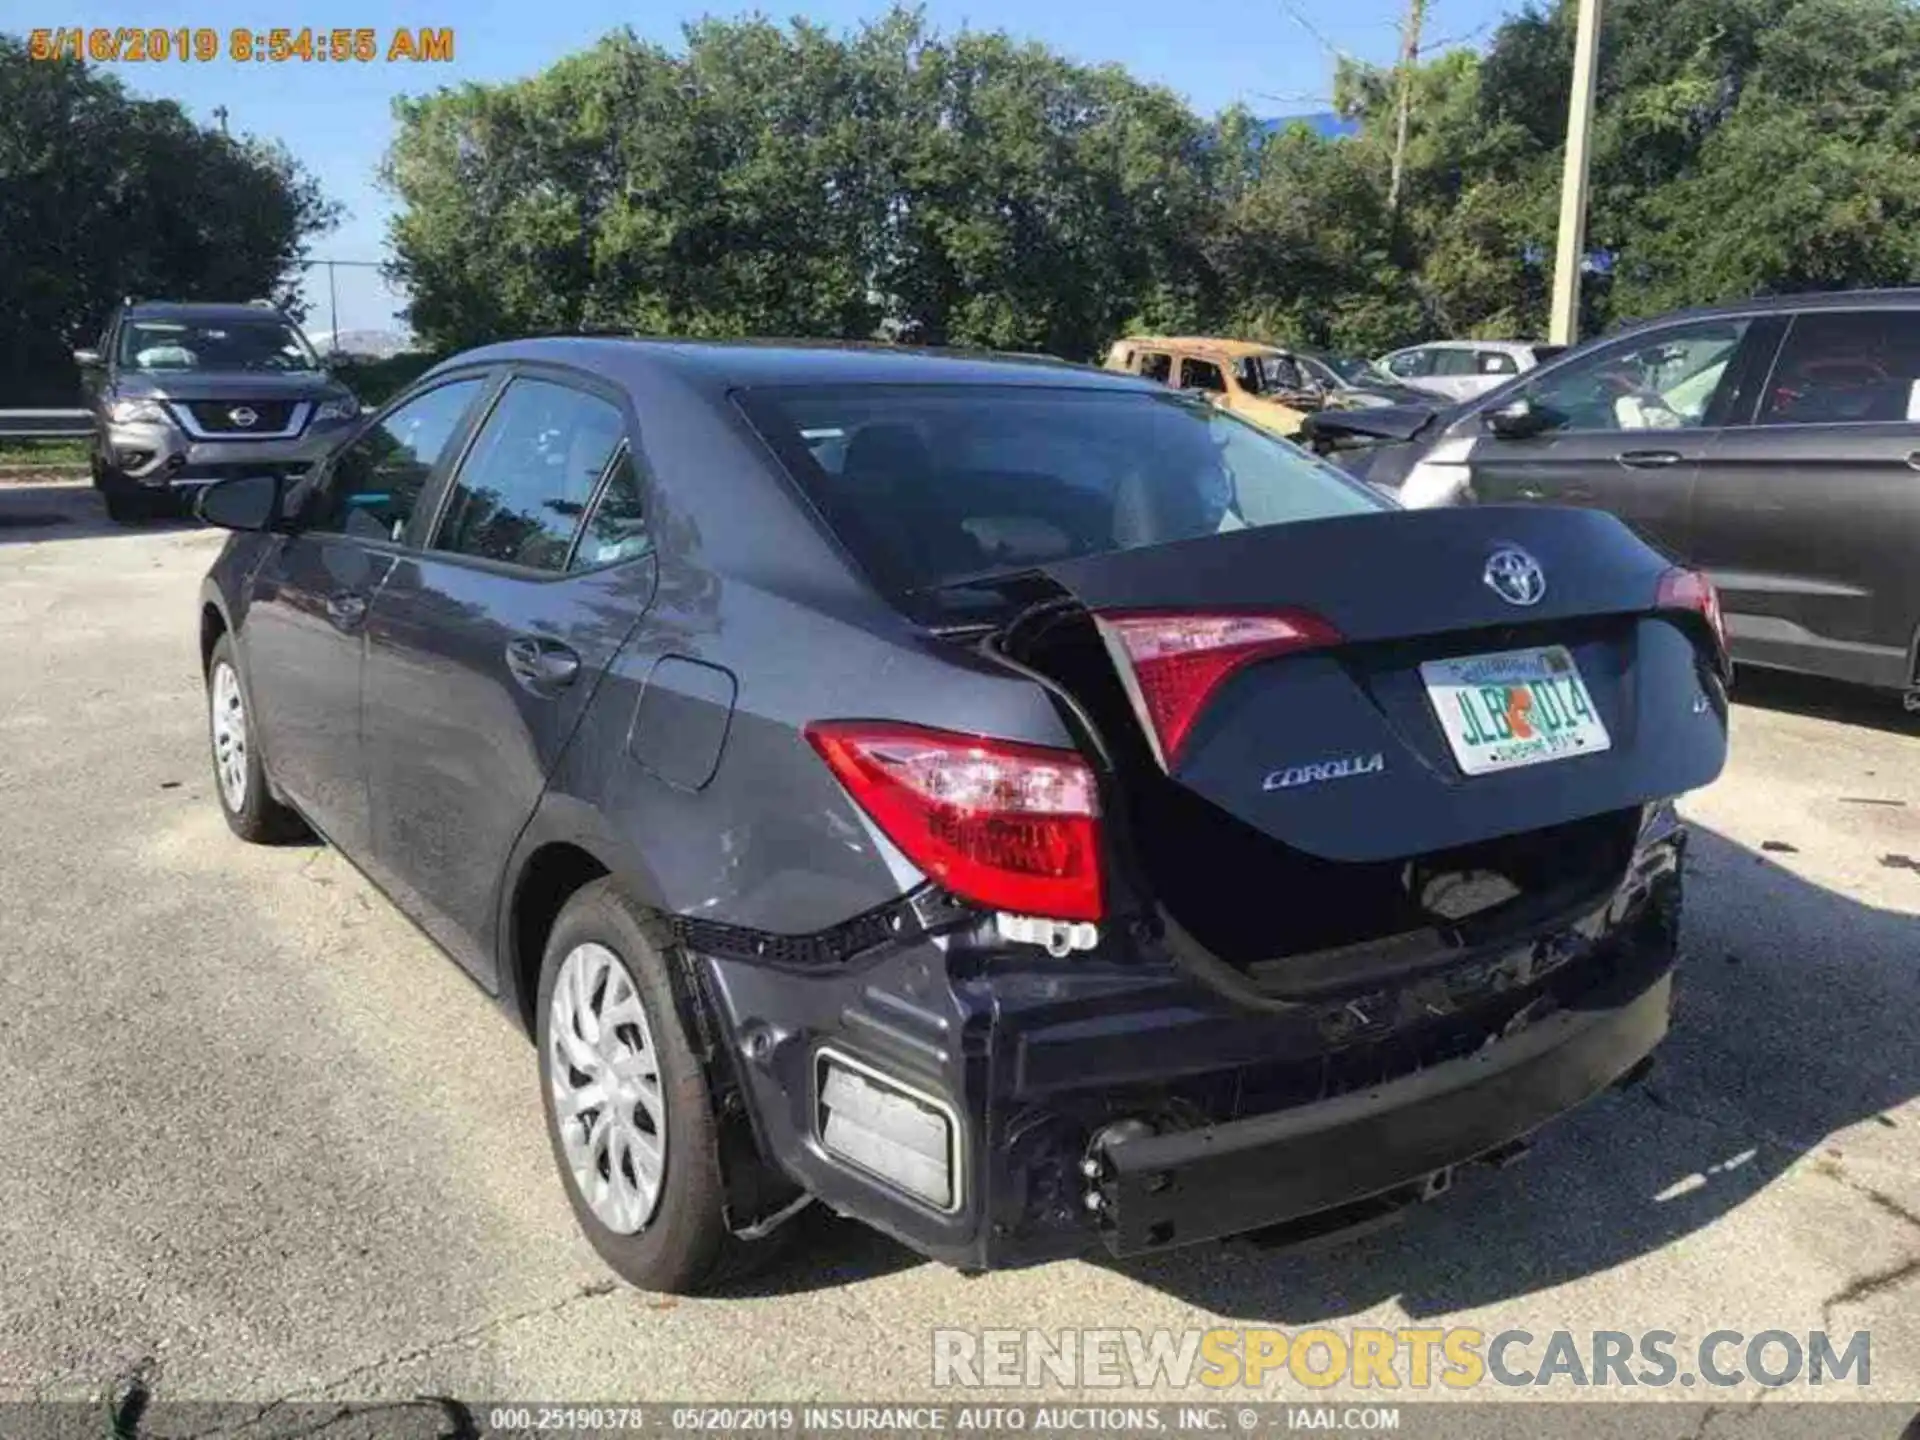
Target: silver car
{"x": 186, "y": 394}
{"x": 1462, "y": 369}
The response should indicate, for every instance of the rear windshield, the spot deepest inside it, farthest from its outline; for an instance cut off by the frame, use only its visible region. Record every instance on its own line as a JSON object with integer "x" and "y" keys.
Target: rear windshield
{"x": 928, "y": 484}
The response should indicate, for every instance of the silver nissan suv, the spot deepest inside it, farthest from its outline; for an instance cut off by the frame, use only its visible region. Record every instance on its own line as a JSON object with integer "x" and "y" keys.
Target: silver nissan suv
{"x": 184, "y": 394}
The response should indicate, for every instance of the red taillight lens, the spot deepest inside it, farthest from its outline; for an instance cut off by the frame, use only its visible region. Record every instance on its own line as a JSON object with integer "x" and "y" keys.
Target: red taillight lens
{"x": 1172, "y": 663}
{"x": 1682, "y": 589}
{"x": 1009, "y": 826}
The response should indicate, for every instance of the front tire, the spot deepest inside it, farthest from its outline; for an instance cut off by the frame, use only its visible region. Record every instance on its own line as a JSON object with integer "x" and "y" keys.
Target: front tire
{"x": 128, "y": 504}
{"x": 629, "y": 1113}
{"x": 239, "y": 776}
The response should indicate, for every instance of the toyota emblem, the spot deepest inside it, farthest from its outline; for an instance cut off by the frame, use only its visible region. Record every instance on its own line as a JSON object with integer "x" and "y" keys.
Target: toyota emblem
{"x": 243, "y": 417}
{"x": 1515, "y": 576}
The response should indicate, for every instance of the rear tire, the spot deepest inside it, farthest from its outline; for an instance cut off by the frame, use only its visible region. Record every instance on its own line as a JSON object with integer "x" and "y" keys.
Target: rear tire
{"x": 239, "y": 773}
{"x": 626, "y": 1098}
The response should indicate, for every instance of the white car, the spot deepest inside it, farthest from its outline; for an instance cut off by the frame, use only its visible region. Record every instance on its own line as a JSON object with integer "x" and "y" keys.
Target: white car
{"x": 1462, "y": 369}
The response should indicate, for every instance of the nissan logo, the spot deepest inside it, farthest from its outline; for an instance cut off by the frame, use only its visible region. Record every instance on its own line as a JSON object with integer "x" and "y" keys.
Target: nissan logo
{"x": 1515, "y": 576}
{"x": 243, "y": 417}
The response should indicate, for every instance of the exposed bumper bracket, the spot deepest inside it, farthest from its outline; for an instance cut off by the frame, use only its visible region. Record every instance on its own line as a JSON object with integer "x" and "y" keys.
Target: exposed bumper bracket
{"x": 1173, "y": 1189}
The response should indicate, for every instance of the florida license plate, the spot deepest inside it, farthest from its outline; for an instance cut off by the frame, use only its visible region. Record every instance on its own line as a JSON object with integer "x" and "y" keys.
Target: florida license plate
{"x": 1514, "y": 708}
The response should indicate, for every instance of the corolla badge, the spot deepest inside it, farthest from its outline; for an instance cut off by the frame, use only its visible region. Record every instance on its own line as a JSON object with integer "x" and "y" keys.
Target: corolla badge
{"x": 1515, "y": 576}
{"x": 1344, "y": 768}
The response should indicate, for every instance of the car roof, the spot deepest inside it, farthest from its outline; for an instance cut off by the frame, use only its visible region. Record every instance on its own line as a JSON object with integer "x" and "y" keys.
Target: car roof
{"x": 1206, "y": 344}
{"x": 747, "y": 363}
{"x": 1509, "y": 347}
{"x": 200, "y": 310}
{"x": 1906, "y": 298}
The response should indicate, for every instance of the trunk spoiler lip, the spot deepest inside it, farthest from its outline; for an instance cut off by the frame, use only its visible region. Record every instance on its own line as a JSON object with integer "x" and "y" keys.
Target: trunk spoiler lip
{"x": 1235, "y": 571}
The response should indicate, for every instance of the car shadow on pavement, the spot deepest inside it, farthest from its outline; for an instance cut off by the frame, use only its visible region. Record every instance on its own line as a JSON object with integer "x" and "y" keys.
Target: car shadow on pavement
{"x": 65, "y": 510}
{"x": 1822, "y": 699}
{"x": 1793, "y": 1022}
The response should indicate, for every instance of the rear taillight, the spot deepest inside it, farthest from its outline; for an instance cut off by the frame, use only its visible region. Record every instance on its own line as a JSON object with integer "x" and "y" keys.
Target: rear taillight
{"x": 1682, "y": 589}
{"x": 1005, "y": 825}
{"x": 1173, "y": 662}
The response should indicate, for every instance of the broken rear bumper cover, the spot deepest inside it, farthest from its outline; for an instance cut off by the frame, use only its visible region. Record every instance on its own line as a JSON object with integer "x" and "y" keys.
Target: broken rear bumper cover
{"x": 1108, "y": 1100}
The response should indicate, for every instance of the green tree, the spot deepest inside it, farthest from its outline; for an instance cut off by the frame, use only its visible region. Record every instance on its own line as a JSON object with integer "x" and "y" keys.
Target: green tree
{"x": 103, "y": 195}
{"x": 776, "y": 180}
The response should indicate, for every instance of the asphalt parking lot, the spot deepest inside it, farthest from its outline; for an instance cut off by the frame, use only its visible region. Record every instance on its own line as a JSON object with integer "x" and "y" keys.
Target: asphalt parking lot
{"x": 259, "y": 1140}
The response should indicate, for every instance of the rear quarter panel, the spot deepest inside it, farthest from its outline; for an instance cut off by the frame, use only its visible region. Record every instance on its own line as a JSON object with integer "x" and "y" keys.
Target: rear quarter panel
{"x": 779, "y": 631}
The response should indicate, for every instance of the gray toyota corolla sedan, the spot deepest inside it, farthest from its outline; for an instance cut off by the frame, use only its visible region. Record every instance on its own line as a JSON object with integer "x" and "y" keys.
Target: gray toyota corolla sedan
{"x": 1010, "y": 803}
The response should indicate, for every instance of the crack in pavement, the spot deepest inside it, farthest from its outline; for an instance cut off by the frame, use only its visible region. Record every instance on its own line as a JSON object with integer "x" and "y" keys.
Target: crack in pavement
{"x": 1862, "y": 1286}
{"x": 329, "y": 1390}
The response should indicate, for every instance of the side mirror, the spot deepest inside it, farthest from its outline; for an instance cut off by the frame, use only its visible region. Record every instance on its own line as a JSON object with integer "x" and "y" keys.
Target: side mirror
{"x": 1517, "y": 419}
{"x": 87, "y": 359}
{"x": 247, "y": 502}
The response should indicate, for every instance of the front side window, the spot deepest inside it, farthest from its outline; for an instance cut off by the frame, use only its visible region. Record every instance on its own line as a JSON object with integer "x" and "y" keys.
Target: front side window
{"x": 524, "y": 486}
{"x": 1275, "y": 373}
{"x": 1155, "y": 365}
{"x": 1411, "y": 364}
{"x": 1454, "y": 363}
{"x": 1858, "y": 367}
{"x": 374, "y": 485}
{"x": 264, "y": 345}
{"x": 1201, "y": 375}
{"x": 1497, "y": 362}
{"x": 1668, "y": 380}
{"x": 938, "y": 482}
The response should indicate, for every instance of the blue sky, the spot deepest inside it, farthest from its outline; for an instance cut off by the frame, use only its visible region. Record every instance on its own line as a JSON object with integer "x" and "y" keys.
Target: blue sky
{"x": 1273, "y": 54}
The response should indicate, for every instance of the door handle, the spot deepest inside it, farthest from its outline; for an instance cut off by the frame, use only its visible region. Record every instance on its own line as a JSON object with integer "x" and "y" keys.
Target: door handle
{"x": 541, "y": 664}
{"x": 1648, "y": 459}
{"x": 1529, "y": 492}
{"x": 346, "y": 609}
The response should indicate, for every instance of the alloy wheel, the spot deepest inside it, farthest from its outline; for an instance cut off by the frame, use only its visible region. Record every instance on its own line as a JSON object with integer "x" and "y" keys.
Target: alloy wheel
{"x": 604, "y": 1072}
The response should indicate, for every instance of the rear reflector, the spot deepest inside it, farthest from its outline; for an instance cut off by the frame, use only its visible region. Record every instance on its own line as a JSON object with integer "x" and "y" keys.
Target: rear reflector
{"x": 886, "y": 1129}
{"x": 1173, "y": 662}
{"x": 1682, "y": 589}
{"x": 1005, "y": 825}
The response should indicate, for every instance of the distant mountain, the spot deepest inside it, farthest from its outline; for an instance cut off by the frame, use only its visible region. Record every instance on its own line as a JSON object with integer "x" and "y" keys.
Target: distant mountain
{"x": 1324, "y": 123}
{"x": 373, "y": 344}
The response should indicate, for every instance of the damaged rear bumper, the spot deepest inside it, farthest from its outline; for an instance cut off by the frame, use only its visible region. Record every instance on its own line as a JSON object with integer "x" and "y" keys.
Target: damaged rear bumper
{"x": 1163, "y": 1190}
{"x": 1109, "y": 1100}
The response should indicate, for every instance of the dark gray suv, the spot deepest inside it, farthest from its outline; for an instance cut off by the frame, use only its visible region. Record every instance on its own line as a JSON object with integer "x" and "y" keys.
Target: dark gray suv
{"x": 183, "y": 394}
{"x": 1019, "y": 806}
{"x": 1774, "y": 444}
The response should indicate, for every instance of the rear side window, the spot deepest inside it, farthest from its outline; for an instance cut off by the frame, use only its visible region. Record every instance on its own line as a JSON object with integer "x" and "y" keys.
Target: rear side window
{"x": 1857, "y": 367}
{"x": 524, "y": 486}
{"x": 1497, "y": 362}
{"x": 1156, "y": 366}
{"x": 616, "y": 528}
{"x": 936, "y": 482}
{"x": 1454, "y": 362}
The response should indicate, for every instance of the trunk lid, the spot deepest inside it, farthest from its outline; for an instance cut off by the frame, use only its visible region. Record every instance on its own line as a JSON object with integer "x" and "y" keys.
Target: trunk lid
{"x": 1341, "y": 750}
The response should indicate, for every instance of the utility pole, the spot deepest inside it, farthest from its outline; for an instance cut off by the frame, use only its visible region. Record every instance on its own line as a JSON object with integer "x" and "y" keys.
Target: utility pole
{"x": 220, "y": 114}
{"x": 333, "y": 308}
{"x": 1409, "y": 57}
{"x": 1564, "y": 326}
